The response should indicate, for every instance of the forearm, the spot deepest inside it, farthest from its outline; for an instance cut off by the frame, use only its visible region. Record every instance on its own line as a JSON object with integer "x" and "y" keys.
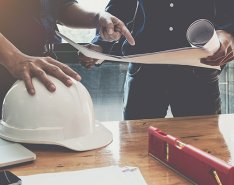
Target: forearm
{"x": 75, "y": 16}
{"x": 7, "y": 51}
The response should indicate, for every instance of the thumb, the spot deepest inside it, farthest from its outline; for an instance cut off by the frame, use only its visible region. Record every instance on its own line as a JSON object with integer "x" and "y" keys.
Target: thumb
{"x": 107, "y": 24}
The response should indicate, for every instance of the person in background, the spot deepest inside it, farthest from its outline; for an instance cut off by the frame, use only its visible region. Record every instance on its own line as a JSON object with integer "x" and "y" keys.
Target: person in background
{"x": 27, "y": 30}
{"x": 159, "y": 25}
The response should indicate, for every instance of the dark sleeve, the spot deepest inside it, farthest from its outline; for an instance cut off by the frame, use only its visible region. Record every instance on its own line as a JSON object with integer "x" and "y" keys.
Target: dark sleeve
{"x": 123, "y": 10}
{"x": 64, "y": 3}
{"x": 58, "y": 5}
{"x": 225, "y": 15}
{"x": 67, "y": 2}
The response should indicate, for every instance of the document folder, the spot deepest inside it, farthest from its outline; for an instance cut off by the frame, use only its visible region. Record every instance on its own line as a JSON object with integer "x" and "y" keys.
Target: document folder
{"x": 192, "y": 163}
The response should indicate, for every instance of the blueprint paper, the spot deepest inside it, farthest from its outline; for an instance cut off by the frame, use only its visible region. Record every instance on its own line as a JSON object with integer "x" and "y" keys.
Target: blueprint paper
{"x": 97, "y": 176}
{"x": 201, "y": 35}
{"x": 132, "y": 175}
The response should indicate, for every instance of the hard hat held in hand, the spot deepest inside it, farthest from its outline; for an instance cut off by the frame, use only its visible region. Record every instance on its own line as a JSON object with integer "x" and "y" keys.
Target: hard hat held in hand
{"x": 64, "y": 117}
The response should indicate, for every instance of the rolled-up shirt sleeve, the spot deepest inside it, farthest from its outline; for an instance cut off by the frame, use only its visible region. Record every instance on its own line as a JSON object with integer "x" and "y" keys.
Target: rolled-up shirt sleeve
{"x": 65, "y": 3}
{"x": 68, "y": 2}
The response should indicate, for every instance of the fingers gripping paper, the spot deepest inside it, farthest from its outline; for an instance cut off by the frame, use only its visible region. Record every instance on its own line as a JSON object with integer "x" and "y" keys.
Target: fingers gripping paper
{"x": 201, "y": 35}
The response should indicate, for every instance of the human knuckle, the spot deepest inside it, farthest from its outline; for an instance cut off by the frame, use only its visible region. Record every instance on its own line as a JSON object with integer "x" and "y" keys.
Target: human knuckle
{"x": 55, "y": 69}
{"x": 25, "y": 66}
{"x": 40, "y": 72}
{"x": 226, "y": 43}
{"x": 37, "y": 62}
{"x": 109, "y": 24}
{"x": 66, "y": 67}
{"x": 120, "y": 23}
{"x": 48, "y": 58}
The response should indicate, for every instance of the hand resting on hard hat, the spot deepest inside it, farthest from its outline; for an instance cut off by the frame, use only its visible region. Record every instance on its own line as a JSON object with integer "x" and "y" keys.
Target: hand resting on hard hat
{"x": 86, "y": 61}
{"x": 36, "y": 120}
{"x": 26, "y": 67}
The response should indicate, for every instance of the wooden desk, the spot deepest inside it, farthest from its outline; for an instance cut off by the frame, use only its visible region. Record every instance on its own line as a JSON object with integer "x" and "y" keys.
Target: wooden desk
{"x": 129, "y": 147}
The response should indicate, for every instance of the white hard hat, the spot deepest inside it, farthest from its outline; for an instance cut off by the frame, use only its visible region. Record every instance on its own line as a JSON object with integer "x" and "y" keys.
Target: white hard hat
{"x": 64, "y": 117}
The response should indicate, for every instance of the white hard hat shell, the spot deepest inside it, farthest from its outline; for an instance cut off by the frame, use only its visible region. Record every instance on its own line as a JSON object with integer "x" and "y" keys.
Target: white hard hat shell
{"x": 64, "y": 117}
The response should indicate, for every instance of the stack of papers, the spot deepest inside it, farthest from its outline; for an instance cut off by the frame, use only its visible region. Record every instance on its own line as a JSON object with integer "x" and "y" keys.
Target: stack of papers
{"x": 112, "y": 175}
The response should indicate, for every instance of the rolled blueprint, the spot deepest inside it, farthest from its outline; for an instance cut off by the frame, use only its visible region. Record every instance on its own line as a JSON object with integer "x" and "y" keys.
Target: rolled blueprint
{"x": 201, "y": 33}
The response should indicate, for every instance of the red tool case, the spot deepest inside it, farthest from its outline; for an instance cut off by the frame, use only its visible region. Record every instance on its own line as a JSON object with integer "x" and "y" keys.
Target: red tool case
{"x": 194, "y": 164}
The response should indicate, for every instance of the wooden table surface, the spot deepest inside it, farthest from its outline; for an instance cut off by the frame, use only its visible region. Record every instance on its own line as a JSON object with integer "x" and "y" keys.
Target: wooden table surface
{"x": 213, "y": 134}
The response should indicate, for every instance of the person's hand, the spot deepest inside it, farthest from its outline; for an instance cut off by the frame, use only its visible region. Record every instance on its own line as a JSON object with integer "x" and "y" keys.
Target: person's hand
{"x": 26, "y": 67}
{"x": 225, "y": 53}
{"x": 112, "y": 29}
{"x": 86, "y": 61}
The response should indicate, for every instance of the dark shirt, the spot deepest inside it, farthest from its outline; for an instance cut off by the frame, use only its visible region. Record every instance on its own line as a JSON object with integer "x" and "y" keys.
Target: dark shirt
{"x": 162, "y": 24}
{"x": 30, "y": 24}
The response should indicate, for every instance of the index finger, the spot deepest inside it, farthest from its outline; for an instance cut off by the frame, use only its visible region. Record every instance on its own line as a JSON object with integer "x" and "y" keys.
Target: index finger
{"x": 124, "y": 31}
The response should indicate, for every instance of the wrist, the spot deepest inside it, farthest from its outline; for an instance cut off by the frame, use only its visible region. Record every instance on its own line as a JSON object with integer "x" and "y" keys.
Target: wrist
{"x": 96, "y": 19}
{"x": 2, "y": 61}
{"x": 7, "y": 59}
{"x": 9, "y": 54}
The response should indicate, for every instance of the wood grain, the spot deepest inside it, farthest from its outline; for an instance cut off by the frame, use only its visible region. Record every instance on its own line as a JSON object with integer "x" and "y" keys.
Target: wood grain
{"x": 130, "y": 146}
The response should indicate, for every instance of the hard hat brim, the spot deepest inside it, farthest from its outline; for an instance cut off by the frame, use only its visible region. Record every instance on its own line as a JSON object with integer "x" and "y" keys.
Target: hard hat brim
{"x": 100, "y": 137}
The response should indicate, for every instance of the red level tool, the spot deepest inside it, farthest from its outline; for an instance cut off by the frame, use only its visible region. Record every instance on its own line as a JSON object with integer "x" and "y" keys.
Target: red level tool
{"x": 194, "y": 164}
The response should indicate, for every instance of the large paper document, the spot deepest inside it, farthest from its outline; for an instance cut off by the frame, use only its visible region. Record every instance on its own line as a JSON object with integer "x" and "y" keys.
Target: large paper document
{"x": 111, "y": 175}
{"x": 201, "y": 35}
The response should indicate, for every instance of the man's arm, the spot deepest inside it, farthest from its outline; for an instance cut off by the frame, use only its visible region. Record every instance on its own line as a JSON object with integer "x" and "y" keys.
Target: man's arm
{"x": 73, "y": 15}
{"x": 111, "y": 28}
{"x": 124, "y": 11}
